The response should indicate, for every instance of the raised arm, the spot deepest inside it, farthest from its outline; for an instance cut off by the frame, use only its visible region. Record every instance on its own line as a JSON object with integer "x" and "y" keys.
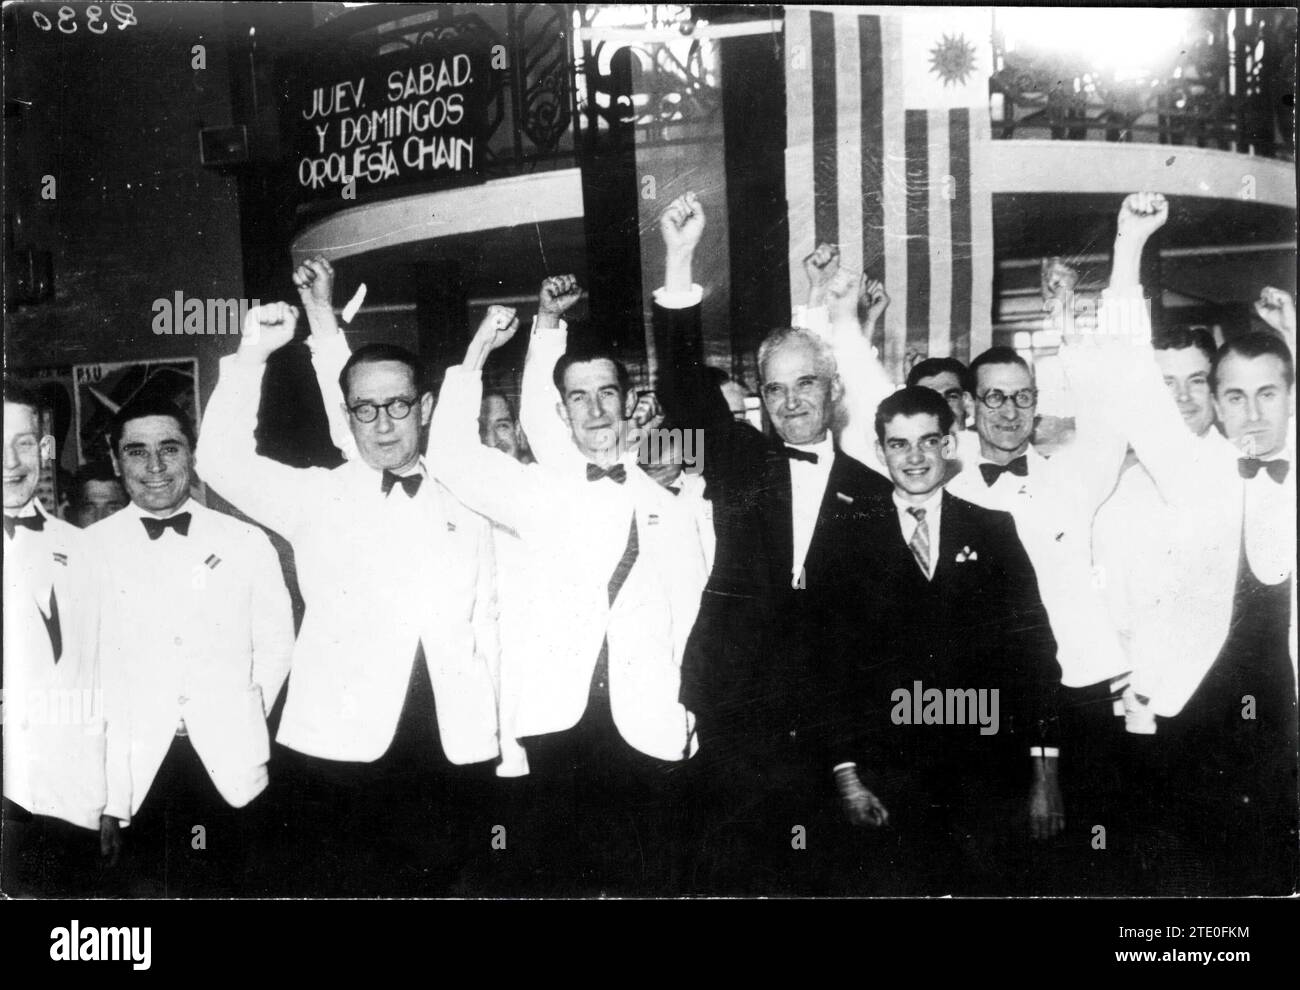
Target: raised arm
{"x": 685, "y": 387}
{"x": 550, "y": 439}
{"x": 487, "y": 480}
{"x": 329, "y": 348}
{"x": 227, "y": 458}
{"x": 866, "y": 384}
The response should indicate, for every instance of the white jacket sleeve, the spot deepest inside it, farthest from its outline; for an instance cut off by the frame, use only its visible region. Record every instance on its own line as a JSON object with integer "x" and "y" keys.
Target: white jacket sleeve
{"x": 270, "y": 492}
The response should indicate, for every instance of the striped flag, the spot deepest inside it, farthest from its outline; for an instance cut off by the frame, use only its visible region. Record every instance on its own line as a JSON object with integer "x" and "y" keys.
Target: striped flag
{"x": 887, "y": 131}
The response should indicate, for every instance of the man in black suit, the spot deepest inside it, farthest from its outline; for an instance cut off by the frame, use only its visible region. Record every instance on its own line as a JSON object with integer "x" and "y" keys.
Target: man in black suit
{"x": 943, "y": 709}
{"x": 749, "y": 672}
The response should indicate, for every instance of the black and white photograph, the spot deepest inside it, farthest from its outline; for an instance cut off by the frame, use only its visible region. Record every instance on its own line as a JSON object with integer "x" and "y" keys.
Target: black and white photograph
{"x": 596, "y": 451}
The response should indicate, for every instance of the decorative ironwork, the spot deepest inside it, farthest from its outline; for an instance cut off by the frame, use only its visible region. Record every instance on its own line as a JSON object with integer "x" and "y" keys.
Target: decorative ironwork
{"x": 655, "y": 86}
{"x": 1231, "y": 88}
{"x": 531, "y": 106}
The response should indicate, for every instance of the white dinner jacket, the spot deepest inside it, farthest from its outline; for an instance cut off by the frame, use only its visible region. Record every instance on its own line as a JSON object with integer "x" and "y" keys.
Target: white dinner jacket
{"x": 1177, "y": 642}
{"x": 195, "y": 628}
{"x": 53, "y": 707}
{"x": 576, "y": 531}
{"x": 379, "y": 575}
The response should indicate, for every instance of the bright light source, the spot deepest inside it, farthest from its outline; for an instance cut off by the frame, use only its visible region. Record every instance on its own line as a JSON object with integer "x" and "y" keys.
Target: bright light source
{"x": 1125, "y": 43}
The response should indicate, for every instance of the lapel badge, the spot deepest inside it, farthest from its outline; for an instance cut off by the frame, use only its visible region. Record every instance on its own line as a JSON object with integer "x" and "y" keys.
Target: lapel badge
{"x": 967, "y": 554}
{"x": 61, "y": 558}
{"x": 212, "y": 561}
{"x": 652, "y": 519}
{"x": 451, "y": 526}
{"x": 844, "y": 498}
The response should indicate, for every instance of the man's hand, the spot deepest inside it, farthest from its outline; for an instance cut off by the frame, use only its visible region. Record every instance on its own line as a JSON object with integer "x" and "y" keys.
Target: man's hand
{"x": 1141, "y": 215}
{"x": 557, "y": 295}
{"x": 843, "y": 291}
{"x": 681, "y": 224}
{"x": 1277, "y": 309}
{"x": 110, "y": 840}
{"x": 1046, "y": 806}
{"x": 648, "y": 413}
{"x": 498, "y": 326}
{"x": 820, "y": 267}
{"x": 875, "y": 300}
{"x": 861, "y": 807}
{"x": 267, "y": 328}
{"x": 314, "y": 279}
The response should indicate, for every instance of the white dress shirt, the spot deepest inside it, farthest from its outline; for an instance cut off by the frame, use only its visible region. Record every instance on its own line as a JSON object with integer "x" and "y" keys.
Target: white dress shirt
{"x": 933, "y": 506}
{"x": 195, "y": 632}
{"x": 53, "y": 706}
{"x": 807, "y": 489}
{"x": 380, "y": 574}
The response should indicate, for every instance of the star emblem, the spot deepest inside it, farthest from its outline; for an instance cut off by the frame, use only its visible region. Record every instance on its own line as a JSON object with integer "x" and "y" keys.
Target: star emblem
{"x": 953, "y": 60}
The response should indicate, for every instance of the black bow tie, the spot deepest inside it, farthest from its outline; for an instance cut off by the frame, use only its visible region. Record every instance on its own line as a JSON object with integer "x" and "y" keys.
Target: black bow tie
{"x": 155, "y": 527}
{"x": 410, "y": 483}
{"x": 1248, "y": 467}
{"x": 616, "y": 473}
{"x": 795, "y": 454}
{"x": 1019, "y": 466}
{"x": 35, "y": 522}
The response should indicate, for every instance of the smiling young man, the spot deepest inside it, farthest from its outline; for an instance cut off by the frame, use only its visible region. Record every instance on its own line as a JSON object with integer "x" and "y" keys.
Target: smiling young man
{"x": 53, "y": 707}
{"x": 615, "y": 571}
{"x": 959, "y": 801}
{"x": 390, "y": 721}
{"x": 195, "y": 636}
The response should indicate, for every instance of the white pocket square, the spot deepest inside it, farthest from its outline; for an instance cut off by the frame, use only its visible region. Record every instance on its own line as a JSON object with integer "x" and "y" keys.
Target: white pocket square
{"x": 967, "y": 554}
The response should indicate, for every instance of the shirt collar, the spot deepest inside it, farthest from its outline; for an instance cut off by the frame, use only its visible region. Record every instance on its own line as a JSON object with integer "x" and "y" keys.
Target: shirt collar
{"x": 931, "y": 505}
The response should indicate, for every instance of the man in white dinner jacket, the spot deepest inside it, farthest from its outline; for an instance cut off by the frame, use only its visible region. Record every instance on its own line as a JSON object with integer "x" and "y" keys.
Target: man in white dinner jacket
{"x": 195, "y": 638}
{"x": 391, "y": 715}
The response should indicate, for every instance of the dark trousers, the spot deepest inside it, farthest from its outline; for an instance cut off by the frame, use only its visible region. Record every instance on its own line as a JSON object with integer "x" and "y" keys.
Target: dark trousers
{"x": 409, "y": 824}
{"x": 763, "y": 816}
{"x": 600, "y": 817}
{"x": 47, "y": 857}
{"x": 186, "y": 841}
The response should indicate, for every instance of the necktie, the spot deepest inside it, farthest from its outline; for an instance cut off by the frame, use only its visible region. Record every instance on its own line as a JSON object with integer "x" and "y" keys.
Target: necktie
{"x": 410, "y": 482}
{"x": 35, "y": 522}
{"x": 1248, "y": 467}
{"x": 617, "y": 473}
{"x": 600, "y": 676}
{"x": 795, "y": 454}
{"x": 920, "y": 542}
{"x": 155, "y": 527}
{"x": 1018, "y": 466}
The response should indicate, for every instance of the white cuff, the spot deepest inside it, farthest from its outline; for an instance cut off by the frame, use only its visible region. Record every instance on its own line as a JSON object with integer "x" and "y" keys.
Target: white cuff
{"x": 679, "y": 300}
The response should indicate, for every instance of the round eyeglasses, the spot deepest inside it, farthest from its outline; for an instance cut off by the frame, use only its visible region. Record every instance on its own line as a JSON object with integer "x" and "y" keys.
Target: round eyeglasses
{"x": 368, "y": 412}
{"x": 995, "y": 398}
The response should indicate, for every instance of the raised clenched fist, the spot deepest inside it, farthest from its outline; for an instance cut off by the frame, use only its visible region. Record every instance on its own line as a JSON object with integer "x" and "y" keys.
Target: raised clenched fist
{"x": 314, "y": 280}
{"x": 498, "y": 326}
{"x": 557, "y": 295}
{"x": 1142, "y": 214}
{"x": 682, "y": 223}
{"x": 267, "y": 328}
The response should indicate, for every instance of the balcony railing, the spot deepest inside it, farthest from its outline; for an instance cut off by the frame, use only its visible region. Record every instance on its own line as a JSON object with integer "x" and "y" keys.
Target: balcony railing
{"x": 1231, "y": 88}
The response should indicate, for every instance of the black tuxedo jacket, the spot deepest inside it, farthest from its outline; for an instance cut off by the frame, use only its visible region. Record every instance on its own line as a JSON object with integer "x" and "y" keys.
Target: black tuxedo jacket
{"x": 751, "y": 672}
{"x": 978, "y": 623}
